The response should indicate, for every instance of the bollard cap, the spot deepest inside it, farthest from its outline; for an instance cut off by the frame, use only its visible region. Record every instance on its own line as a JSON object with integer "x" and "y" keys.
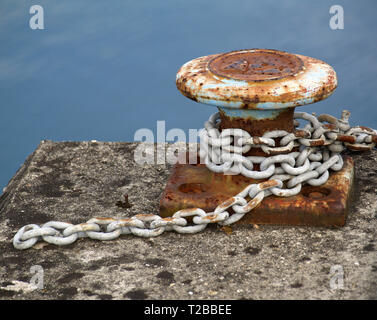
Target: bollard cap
{"x": 261, "y": 79}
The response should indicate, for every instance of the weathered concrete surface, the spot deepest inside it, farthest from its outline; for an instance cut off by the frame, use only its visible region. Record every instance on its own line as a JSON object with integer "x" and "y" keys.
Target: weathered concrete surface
{"x": 76, "y": 181}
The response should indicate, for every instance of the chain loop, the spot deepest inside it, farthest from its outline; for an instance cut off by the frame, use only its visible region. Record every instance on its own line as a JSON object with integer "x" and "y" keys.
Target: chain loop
{"x": 320, "y": 143}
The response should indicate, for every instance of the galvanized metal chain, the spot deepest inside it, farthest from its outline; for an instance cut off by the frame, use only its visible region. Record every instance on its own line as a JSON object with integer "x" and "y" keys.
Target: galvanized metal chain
{"x": 223, "y": 152}
{"x": 322, "y": 139}
{"x": 146, "y": 225}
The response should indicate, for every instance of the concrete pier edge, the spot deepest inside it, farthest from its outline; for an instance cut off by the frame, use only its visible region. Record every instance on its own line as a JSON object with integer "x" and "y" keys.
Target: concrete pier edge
{"x": 75, "y": 181}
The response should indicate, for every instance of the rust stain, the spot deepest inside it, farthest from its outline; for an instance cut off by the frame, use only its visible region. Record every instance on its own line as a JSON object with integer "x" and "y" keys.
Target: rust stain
{"x": 87, "y": 227}
{"x": 144, "y": 216}
{"x": 346, "y": 138}
{"x": 252, "y": 204}
{"x": 326, "y": 205}
{"x": 104, "y": 219}
{"x": 257, "y": 127}
{"x": 257, "y": 140}
{"x": 168, "y": 219}
{"x": 227, "y": 203}
{"x": 316, "y": 142}
{"x": 316, "y": 195}
{"x": 301, "y": 133}
{"x": 268, "y": 184}
{"x": 188, "y": 210}
{"x": 329, "y": 126}
{"x": 358, "y": 147}
{"x": 203, "y": 78}
{"x": 367, "y": 129}
{"x": 261, "y": 65}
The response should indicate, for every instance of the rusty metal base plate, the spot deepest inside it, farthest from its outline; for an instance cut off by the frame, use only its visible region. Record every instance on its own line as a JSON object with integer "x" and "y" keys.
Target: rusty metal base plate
{"x": 191, "y": 186}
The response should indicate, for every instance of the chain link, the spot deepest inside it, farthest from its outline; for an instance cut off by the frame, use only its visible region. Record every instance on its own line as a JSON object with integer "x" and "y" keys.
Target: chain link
{"x": 61, "y": 233}
{"x": 320, "y": 143}
{"x": 322, "y": 138}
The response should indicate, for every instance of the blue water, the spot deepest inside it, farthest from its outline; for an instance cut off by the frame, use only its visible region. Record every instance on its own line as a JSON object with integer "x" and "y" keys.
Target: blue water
{"x": 103, "y": 69}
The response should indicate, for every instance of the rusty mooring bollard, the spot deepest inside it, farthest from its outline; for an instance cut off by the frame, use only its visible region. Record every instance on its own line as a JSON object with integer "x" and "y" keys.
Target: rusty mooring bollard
{"x": 258, "y": 168}
{"x": 257, "y": 90}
